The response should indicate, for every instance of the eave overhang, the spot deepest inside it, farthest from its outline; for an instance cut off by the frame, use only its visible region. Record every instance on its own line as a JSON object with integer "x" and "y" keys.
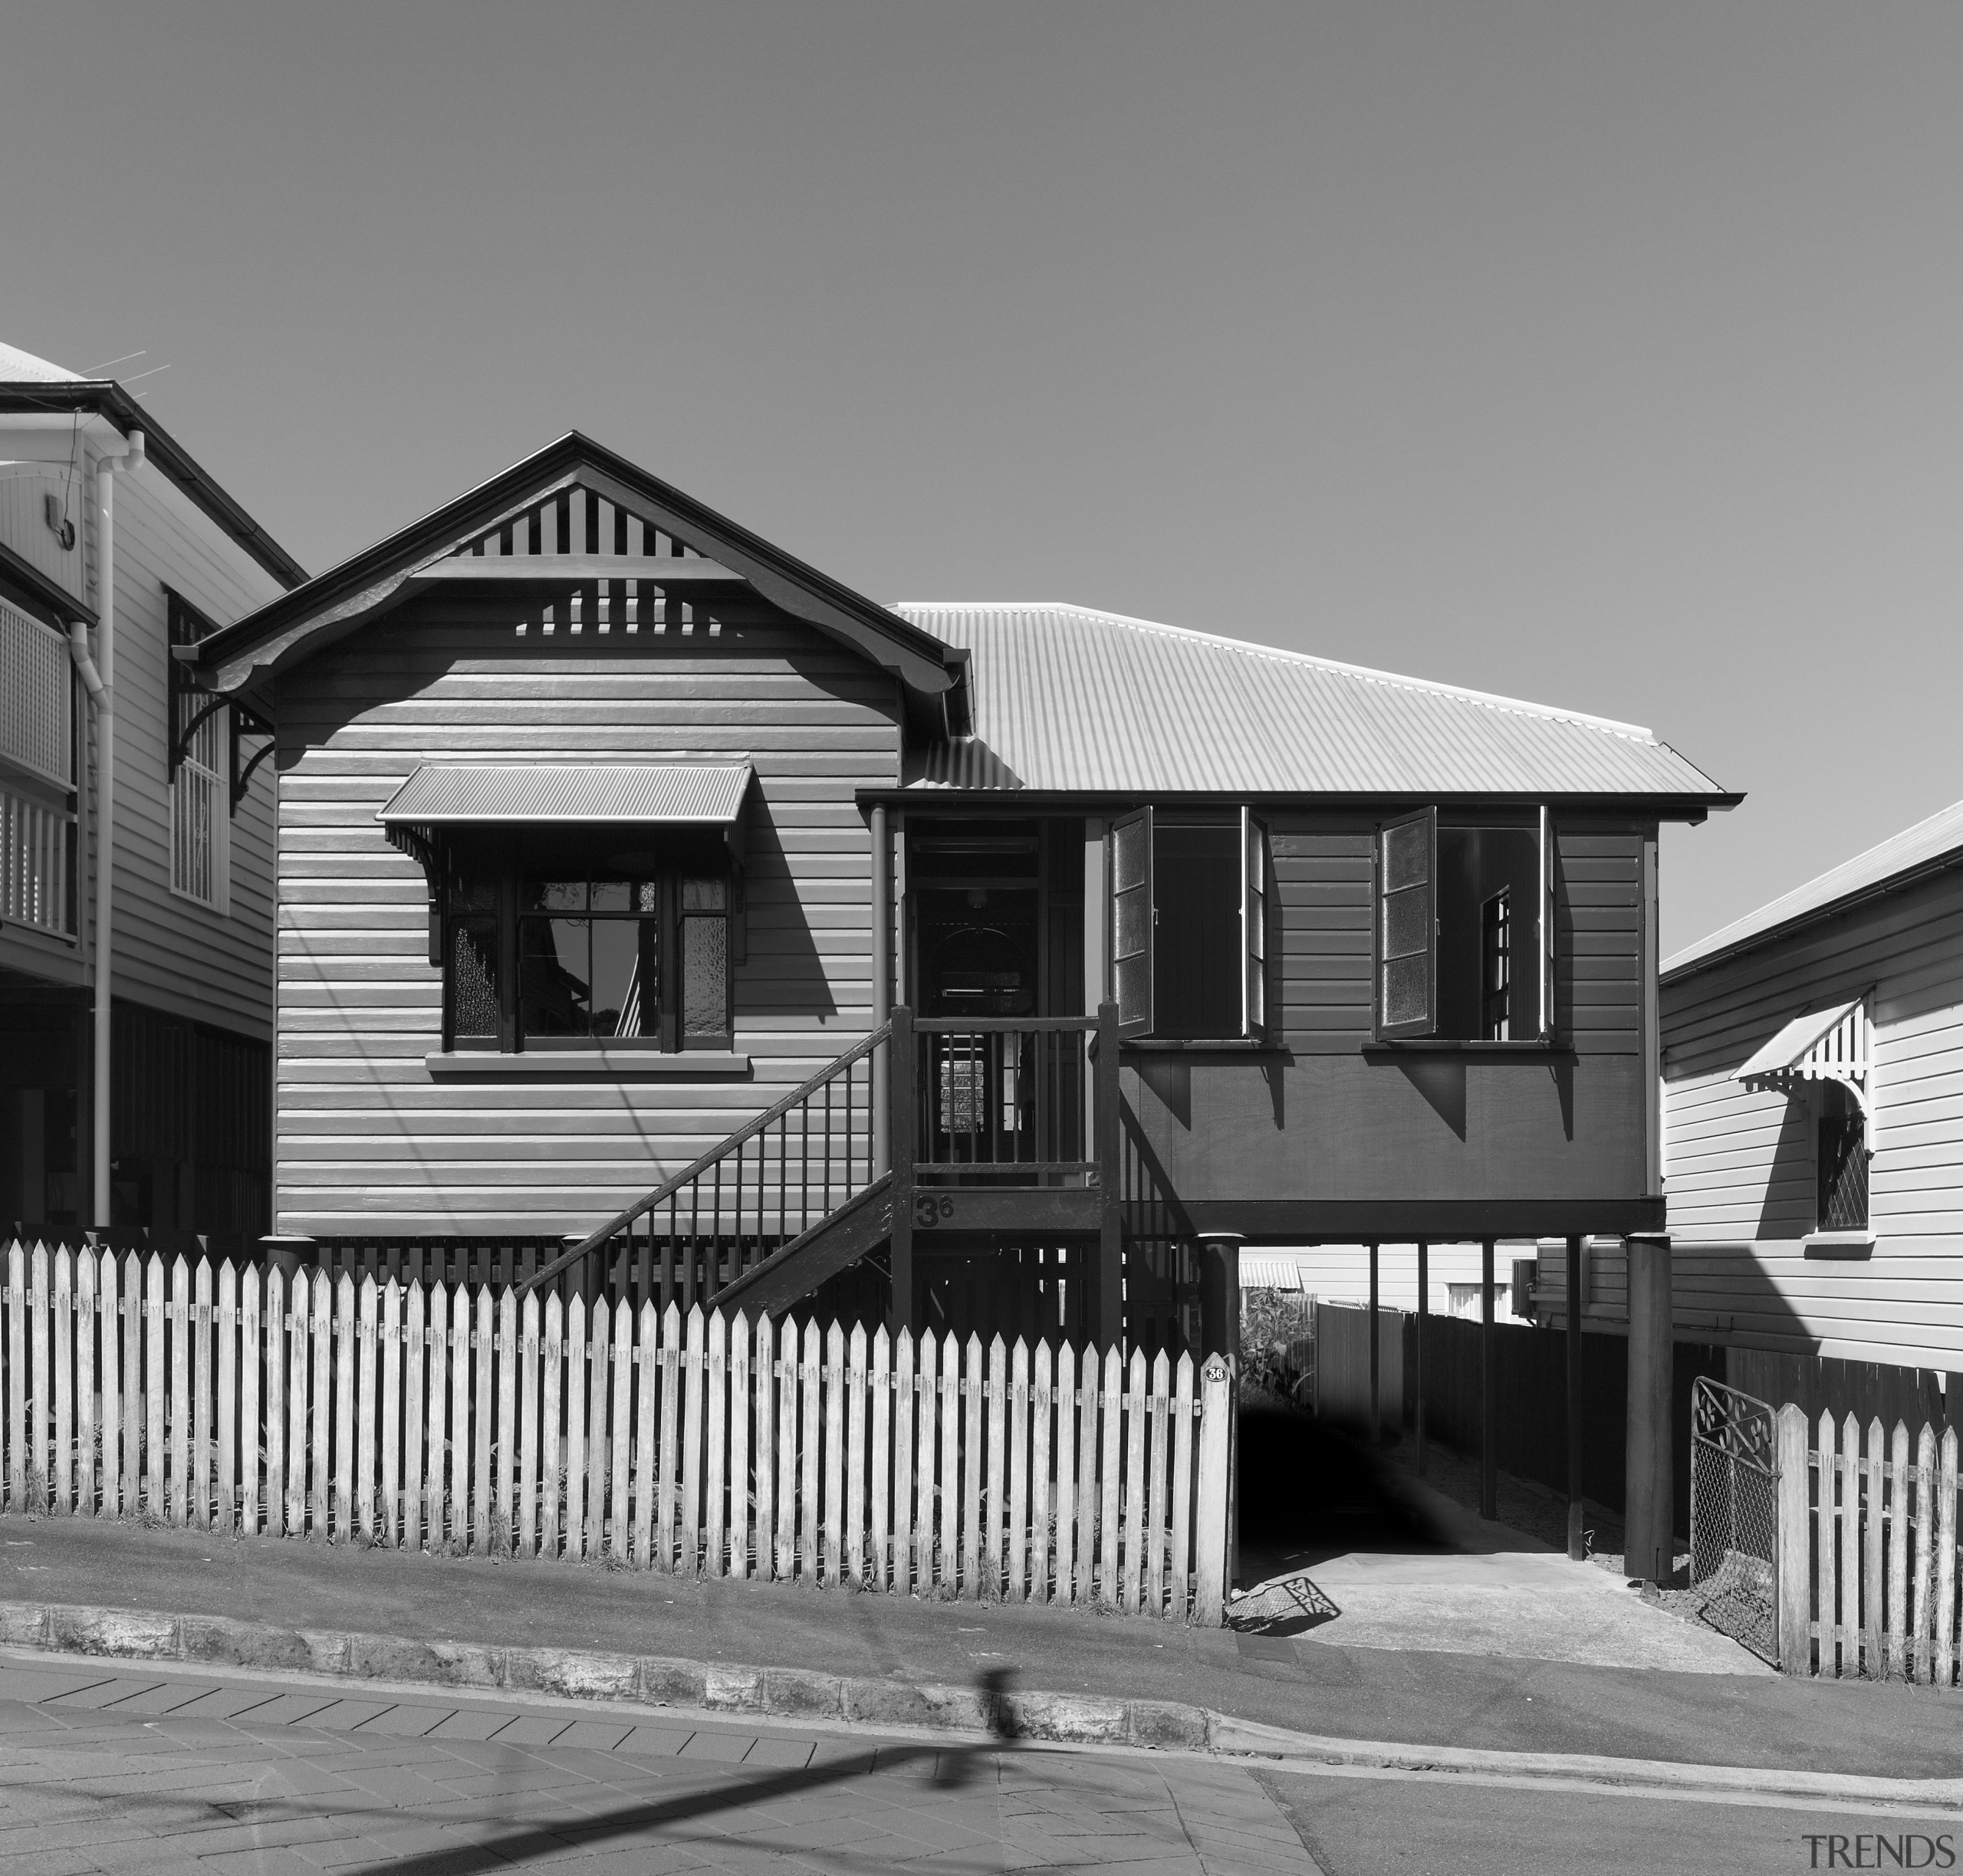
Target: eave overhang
{"x": 267, "y": 643}
{"x": 106, "y": 398}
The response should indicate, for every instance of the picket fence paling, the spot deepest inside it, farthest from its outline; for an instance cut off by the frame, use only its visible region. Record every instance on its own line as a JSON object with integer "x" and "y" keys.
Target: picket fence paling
{"x": 1868, "y": 1549}
{"x": 248, "y": 1402}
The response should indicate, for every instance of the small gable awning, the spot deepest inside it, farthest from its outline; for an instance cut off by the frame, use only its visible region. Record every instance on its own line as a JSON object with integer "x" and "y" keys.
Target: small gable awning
{"x": 1797, "y": 1048}
{"x": 698, "y": 794}
{"x": 1834, "y": 1044}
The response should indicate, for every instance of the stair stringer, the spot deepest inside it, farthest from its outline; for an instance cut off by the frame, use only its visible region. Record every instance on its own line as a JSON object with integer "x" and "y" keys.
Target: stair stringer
{"x": 837, "y": 1241}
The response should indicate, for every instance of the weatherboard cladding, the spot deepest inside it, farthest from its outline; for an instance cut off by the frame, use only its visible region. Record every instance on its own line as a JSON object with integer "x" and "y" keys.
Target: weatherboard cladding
{"x": 1066, "y": 698}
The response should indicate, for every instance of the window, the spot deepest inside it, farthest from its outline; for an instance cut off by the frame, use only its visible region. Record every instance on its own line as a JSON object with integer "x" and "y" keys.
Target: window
{"x": 200, "y": 759}
{"x": 541, "y": 954}
{"x": 1189, "y": 925}
{"x": 1463, "y": 928}
{"x": 1842, "y": 1164}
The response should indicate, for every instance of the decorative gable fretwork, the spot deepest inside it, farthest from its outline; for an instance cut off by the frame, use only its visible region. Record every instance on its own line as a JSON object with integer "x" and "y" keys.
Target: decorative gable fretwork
{"x": 1834, "y": 1044}
{"x": 628, "y": 575}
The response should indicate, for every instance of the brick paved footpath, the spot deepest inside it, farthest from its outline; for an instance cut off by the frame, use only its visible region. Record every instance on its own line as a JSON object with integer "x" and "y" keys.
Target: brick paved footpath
{"x": 107, "y": 1768}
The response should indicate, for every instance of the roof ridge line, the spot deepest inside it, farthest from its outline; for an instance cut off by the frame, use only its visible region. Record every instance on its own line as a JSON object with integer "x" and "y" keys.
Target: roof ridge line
{"x": 1367, "y": 674}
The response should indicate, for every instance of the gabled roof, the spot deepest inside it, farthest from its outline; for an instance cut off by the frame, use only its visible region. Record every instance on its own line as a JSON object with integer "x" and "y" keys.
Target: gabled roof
{"x": 1897, "y": 862}
{"x": 28, "y": 383}
{"x": 292, "y": 628}
{"x": 1066, "y": 698}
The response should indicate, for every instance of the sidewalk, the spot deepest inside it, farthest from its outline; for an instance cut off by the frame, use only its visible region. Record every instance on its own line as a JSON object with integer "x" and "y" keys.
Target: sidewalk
{"x": 1432, "y": 1697}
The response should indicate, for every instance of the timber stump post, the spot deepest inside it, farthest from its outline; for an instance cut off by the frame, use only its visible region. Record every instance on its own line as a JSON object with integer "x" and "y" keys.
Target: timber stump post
{"x": 1489, "y": 1388}
{"x": 902, "y": 1112}
{"x": 1577, "y": 1547}
{"x": 1650, "y": 1543}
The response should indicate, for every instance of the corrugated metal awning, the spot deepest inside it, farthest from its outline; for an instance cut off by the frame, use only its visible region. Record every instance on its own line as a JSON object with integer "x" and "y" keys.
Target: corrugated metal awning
{"x": 1789, "y": 1049}
{"x": 696, "y": 793}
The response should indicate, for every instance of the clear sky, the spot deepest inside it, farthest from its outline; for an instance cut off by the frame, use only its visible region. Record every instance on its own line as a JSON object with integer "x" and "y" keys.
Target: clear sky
{"x": 1605, "y": 355}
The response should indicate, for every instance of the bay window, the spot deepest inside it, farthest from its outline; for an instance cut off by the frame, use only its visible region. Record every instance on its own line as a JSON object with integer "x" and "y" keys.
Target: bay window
{"x": 542, "y": 955}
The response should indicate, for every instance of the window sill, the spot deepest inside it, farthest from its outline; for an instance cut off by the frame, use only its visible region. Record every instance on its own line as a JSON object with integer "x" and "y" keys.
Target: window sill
{"x": 586, "y": 1065}
{"x": 1840, "y": 1247}
{"x": 1434, "y": 1045}
{"x": 1197, "y": 1045}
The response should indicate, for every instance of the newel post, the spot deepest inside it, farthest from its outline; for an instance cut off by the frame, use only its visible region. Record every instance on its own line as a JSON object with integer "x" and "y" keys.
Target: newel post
{"x": 902, "y": 1116}
{"x": 1793, "y": 1548}
{"x": 1110, "y": 1307}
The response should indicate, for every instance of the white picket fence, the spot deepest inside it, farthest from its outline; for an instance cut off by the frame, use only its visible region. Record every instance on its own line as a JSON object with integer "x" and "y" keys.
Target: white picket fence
{"x": 1867, "y": 1571}
{"x": 471, "y": 1422}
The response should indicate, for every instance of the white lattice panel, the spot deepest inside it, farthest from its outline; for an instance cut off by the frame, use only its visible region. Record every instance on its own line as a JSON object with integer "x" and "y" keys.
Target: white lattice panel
{"x": 33, "y": 864}
{"x": 37, "y": 720}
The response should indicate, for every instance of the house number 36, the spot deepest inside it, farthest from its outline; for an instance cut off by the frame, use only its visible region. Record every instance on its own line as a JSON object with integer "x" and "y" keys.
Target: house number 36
{"x": 929, "y": 1211}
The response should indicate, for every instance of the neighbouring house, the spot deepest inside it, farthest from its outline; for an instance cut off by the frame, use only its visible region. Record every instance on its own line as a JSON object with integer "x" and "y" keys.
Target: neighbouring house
{"x": 642, "y": 884}
{"x": 116, "y": 547}
{"x": 1812, "y": 1101}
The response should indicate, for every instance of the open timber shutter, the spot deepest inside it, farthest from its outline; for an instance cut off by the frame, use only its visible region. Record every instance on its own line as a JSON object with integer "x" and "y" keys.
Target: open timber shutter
{"x": 1547, "y": 925}
{"x": 1253, "y": 927}
{"x": 1131, "y": 922}
{"x": 1407, "y": 944}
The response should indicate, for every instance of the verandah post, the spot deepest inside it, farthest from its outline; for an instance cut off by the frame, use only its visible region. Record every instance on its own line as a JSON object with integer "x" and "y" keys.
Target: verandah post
{"x": 902, "y": 1109}
{"x": 1108, "y": 1325}
{"x": 1376, "y": 1356}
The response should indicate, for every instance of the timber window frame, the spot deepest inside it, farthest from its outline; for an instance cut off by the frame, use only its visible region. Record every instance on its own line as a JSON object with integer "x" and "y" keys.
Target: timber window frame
{"x": 203, "y": 762}
{"x": 1188, "y": 938}
{"x": 1463, "y": 928}
{"x": 527, "y": 958}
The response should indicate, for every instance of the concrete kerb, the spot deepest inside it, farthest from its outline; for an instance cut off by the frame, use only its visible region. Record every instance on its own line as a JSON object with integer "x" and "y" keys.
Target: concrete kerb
{"x": 794, "y": 1694}
{"x": 650, "y": 1680}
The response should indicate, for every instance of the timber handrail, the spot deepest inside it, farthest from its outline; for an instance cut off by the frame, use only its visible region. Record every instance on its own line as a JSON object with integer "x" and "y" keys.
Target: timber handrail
{"x": 721, "y": 1150}
{"x": 1004, "y": 1025}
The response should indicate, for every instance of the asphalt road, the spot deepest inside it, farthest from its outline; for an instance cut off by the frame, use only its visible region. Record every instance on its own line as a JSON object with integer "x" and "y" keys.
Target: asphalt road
{"x": 111, "y": 1767}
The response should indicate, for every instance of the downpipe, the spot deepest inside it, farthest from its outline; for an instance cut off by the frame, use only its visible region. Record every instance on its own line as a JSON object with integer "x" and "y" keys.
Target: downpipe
{"x": 98, "y": 676}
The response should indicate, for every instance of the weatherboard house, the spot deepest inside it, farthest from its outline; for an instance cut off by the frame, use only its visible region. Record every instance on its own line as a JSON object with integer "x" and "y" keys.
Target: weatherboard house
{"x": 639, "y": 884}
{"x": 1813, "y": 1106}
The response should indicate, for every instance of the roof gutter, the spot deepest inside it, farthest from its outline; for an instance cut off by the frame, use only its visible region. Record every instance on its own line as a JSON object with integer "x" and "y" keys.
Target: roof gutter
{"x": 105, "y": 398}
{"x": 1922, "y": 870}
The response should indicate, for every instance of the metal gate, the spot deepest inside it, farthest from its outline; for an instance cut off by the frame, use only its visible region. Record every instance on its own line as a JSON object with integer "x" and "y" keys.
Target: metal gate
{"x": 1734, "y": 1515}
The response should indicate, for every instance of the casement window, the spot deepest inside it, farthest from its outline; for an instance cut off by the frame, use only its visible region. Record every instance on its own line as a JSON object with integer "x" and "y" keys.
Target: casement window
{"x": 1189, "y": 894}
{"x": 541, "y": 955}
{"x": 202, "y": 748}
{"x": 1841, "y": 1163}
{"x": 1463, "y": 928}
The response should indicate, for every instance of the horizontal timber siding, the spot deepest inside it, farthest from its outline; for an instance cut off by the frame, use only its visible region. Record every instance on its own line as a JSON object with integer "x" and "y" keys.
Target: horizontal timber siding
{"x": 1740, "y": 1163}
{"x": 367, "y": 1141}
{"x": 1331, "y": 1121}
{"x": 171, "y": 953}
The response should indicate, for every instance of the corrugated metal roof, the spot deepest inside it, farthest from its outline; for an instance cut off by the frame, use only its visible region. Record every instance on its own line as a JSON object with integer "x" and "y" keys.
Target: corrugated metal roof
{"x": 623, "y": 791}
{"x": 1269, "y": 1270}
{"x": 1070, "y": 699}
{"x": 1926, "y": 841}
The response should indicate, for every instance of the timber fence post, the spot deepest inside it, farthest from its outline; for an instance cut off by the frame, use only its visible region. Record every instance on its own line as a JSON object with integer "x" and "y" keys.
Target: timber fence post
{"x": 1793, "y": 1551}
{"x": 1215, "y": 1452}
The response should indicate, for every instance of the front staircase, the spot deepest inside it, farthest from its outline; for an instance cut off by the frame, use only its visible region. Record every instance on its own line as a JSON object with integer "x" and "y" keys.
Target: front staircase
{"x": 982, "y": 1133}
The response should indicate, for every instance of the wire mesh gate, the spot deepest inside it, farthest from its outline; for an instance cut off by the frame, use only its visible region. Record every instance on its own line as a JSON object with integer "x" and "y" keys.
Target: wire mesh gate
{"x": 1734, "y": 1515}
